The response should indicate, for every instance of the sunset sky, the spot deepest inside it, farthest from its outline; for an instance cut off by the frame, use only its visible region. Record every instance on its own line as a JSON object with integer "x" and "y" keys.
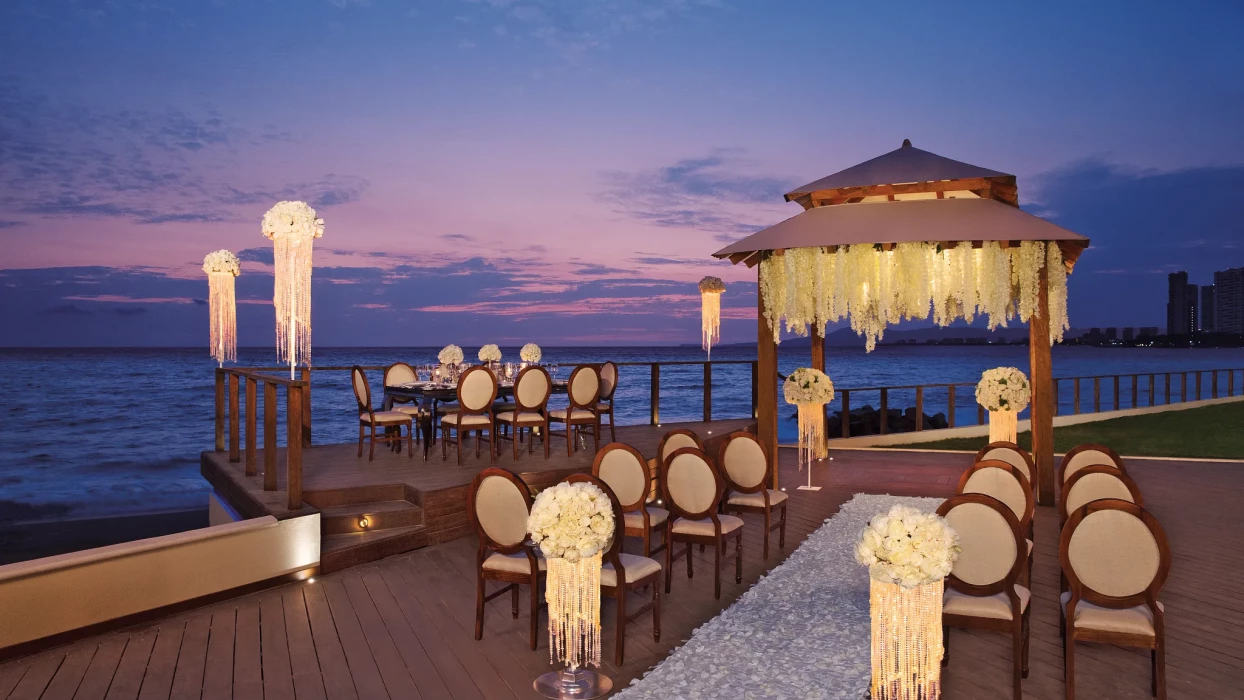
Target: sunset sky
{"x": 561, "y": 170}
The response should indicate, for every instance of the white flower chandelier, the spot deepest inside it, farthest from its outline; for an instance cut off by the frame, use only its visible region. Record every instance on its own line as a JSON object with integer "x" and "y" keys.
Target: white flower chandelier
{"x": 222, "y": 267}
{"x": 711, "y": 289}
{"x": 874, "y": 287}
{"x": 293, "y": 227}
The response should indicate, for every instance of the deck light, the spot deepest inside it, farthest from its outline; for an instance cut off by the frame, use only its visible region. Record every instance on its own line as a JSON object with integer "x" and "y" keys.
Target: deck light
{"x": 363, "y": 522}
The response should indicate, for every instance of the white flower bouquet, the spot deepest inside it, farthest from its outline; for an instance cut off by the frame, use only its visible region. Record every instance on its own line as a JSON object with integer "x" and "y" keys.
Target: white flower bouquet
{"x": 907, "y": 547}
{"x": 222, "y": 261}
{"x": 531, "y": 353}
{"x": 1003, "y": 389}
{"x": 292, "y": 219}
{"x": 571, "y": 521}
{"x": 450, "y": 355}
{"x": 808, "y": 386}
{"x": 490, "y": 353}
{"x": 712, "y": 285}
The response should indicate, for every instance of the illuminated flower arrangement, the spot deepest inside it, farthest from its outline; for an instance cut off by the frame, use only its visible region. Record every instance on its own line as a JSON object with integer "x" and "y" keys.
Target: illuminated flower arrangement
{"x": 450, "y": 355}
{"x": 1003, "y": 389}
{"x": 711, "y": 289}
{"x": 490, "y": 353}
{"x": 531, "y": 353}
{"x": 292, "y": 226}
{"x": 809, "y": 389}
{"x": 873, "y": 287}
{"x": 907, "y": 547}
{"x": 222, "y": 267}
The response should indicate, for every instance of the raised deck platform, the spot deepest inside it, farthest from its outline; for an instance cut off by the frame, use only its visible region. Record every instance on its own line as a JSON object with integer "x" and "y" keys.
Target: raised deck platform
{"x": 408, "y": 502}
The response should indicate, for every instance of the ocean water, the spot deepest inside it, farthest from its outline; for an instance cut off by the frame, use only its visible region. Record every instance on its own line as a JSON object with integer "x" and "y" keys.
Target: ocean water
{"x": 90, "y": 432}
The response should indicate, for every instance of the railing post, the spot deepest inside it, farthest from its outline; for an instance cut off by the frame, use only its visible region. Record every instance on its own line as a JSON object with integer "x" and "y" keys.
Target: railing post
{"x": 251, "y": 420}
{"x": 1198, "y": 385}
{"x": 1096, "y": 394}
{"x": 1135, "y": 390}
{"x": 980, "y": 414}
{"x": 708, "y": 392}
{"x": 1183, "y": 387}
{"x": 1168, "y": 387}
{"x": 755, "y": 388}
{"x": 293, "y": 447}
{"x": 1116, "y": 392}
{"x": 950, "y": 406}
{"x": 885, "y": 410}
{"x": 1214, "y": 378}
{"x": 846, "y": 413}
{"x": 1075, "y": 399}
{"x": 269, "y": 436}
{"x": 1153, "y": 390}
{"x": 306, "y": 406}
{"x": 655, "y": 396}
{"x": 220, "y": 410}
{"x": 919, "y": 408}
{"x": 1230, "y": 382}
{"x": 234, "y": 454}
{"x": 1054, "y": 393}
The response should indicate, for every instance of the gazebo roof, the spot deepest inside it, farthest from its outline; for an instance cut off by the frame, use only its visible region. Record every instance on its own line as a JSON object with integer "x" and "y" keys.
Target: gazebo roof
{"x": 941, "y": 220}
{"x": 906, "y": 164}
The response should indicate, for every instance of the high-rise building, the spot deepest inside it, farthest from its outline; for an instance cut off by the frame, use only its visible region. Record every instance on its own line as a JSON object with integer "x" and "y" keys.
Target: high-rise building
{"x": 1177, "y": 303}
{"x": 1112, "y": 334}
{"x": 1207, "y": 309}
{"x": 1129, "y": 334}
{"x": 1193, "y": 311}
{"x": 1150, "y": 332}
{"x": 1229, "y": 300}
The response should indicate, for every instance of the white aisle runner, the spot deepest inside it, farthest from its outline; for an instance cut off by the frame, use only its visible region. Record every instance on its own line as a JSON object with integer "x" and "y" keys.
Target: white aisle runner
{"x": 800, "y": 632}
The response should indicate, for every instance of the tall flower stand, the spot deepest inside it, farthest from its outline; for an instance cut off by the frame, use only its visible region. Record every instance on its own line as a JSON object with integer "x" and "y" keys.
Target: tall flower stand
{"x": 573, "y": 596}
{"x": 906, "y": 640}
{"x": 1003, "y": 426}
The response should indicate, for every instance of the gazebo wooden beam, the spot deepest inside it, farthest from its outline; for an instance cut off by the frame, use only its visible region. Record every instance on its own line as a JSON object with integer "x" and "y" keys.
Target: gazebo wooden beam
{"x": 999, "y": 188}
{"x": 766, "y": 385}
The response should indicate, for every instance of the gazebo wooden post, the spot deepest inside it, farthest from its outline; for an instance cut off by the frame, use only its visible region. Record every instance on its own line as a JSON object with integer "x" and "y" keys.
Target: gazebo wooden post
{"x": 1042, "y": 406}
{"x": 766, "y": 369}
{"x": 818, "y": 363}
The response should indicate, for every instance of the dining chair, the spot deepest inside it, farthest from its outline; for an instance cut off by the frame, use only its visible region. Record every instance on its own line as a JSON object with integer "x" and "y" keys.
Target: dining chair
{"x": 1095, "y": 483}
{"x": 692, "y": 489}
{"x": 371, "y": 418}
{"x": 983, "y": 589}
{"x": 608, "y": 385}
{"x": 627, "y": 473}
{"x": 1082, "y": 456}
{"x": 477, "y": 387}
{"x": 532, "y": 389}
{"x": 397, "y": 374}
{"x": 622, "y": 573}
{"x": 672, "y": 440}
{"x": 745, "y": 468}
{"x": 498, "y": 505}
{"x": 1006, "y": 483}
{"x": 1116, "y": 558}
{"x": 583, "y": 390}
{"x": 1013, "y": 455}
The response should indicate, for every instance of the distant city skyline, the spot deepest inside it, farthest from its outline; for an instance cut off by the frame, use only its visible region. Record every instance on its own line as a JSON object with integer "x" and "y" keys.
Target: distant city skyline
{"x": 1208, "y": 308}
{"x": 561, "y": 171}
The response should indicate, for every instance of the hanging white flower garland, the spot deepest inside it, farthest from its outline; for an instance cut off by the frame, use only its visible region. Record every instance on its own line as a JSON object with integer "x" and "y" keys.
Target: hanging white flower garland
{"x": 874, "y": 288}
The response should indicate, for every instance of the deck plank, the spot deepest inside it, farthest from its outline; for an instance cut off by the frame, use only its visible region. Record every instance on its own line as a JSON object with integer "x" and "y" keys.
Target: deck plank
{"x": 308, "y": 683}
{"x": 363, "y": 668}
{"x": 128, "y": 679}
{"x": 278, "y": 677}
{"x": 103, "y": 668}
{"x": 397, "y": 678}
{"x": 158, "y": 681}
{"x": 218, "y": 666}
{"x": 37, "y": 677}
{"x": 69, "y": 676}
{"x": 334, "y": 669}
{"x": 247, "y": 652}
{"x": 188, "y": 678}
{"x": 404, "y": 637}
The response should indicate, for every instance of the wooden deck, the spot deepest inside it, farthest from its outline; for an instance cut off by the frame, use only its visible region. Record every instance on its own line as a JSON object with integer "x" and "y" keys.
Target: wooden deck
{"x": 402, "y": 627}
{"x": 408, "y": 502}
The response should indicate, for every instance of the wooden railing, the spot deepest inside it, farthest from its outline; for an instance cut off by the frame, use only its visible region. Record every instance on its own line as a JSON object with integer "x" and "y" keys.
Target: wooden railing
{"x": 1118, "y": 398}
{"x": 229, "y": 384}
{"x": 654, "y": 394}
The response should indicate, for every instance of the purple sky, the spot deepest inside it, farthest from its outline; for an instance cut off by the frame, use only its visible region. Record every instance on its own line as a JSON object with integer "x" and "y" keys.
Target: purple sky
{"x": 561, "y": 170}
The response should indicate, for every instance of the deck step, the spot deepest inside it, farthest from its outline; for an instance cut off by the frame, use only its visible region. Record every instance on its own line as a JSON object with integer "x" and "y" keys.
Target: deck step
{"x": 350, "y": 549}
{"x": 379, "y": 515}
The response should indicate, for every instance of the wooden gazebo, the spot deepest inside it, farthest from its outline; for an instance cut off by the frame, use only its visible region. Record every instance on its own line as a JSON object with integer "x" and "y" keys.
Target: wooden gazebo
{"x": 910, "y": 196}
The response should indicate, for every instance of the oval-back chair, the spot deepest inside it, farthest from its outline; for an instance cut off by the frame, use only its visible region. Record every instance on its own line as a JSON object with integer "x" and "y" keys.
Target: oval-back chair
{"x": 1006, "y": 483}
{"x": 498, "y": 504}
{"x": 391, "y": 421}
{"x": 627, "y": 473}
{"x": 1094, "y": 483}
{"x": 477, "y": 389}
{"x": 745, "y": 467}
{"x": 608, "y": 385}
{"x": 532, "y": 389}
{"x": 692, "y": 489}
{"x": 1082, "y": 456}
{"x": 672, "y": 440}
{"x": 583, "y": 391}
{"x": 1012, "y": 454}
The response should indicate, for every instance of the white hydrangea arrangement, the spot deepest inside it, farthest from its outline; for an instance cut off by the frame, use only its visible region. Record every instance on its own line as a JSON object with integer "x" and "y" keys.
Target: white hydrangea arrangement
{"x": 450, "y": 355}
{"x": 908, "y": 547}
{"x": 490, "y": 353}
{"x": 222, "y": 261}
{"x": 292, "y": 219}
{"x": 571, "y": 521}
{"x": 531, "y": 353}
{"x": 1003, "y": 389}
{"x": 808, "y": 386}
{"x": 712, "y": 285}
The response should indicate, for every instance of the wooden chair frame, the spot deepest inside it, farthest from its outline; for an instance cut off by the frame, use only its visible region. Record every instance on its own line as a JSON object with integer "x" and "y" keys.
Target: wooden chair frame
{"x": 1025, "y": 518}
{"x": 1004, "y": 445}
{"x": 573, "y": 424}
{"x": 463, "y": 412}
{"x": 657, "y": 463}
{"x": 1116, "y": 460}
{"x": 1148, "y": 597}
{"x": 511, "y": 579}
{"x": 645, "y": 531}
{"x": 1019, "y": 624}
{"x": 717, "y": 539}
{"x": 1096, "y": 469}
{"x": 364, "y": 407}
{"x": 618, "y": 592}
{"x": 607, "y": 398}
{"x": 520, "y": 407}
{"x": 763, "y": 488}
{"x": 401, "y": 403}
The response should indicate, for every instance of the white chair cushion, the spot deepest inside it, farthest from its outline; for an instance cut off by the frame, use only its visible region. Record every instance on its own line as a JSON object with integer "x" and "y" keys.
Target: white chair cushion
{"x": 729, "y": 523}
{"x": 524, "y": 418}
{"x": 656, "y": 516}
{"x": 578, "y": 414}
{"x": 515, "y": 563}
{"x": 1029, "y": 546}
{"x": 756, "y": 500}
{"x": 386, "y": 417}
{"x": 636, "y": 567}
{"x": 1137, "y": 620}
{"x": 409, "y": 409}
{"x": 471, "y": 420}
{"x": 996, "y": 606}
{"x": 606, "y": 408}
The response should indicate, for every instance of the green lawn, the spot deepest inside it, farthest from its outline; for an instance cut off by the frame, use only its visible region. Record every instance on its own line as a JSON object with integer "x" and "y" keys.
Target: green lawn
{"x": 1209, "y": 431}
